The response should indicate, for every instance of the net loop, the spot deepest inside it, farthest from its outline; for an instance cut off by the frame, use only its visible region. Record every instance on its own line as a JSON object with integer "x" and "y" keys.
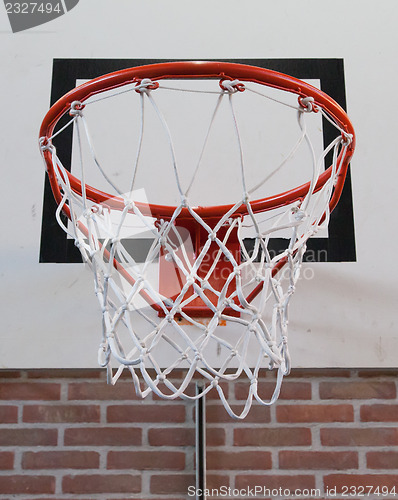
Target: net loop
{"x": 307, "y": 104}
{"x": 145, "y": 85}
{"x": 346, "y": 139}
{"x": 46, "y": 145}
{"x": 232, "y": 86}
{"x": 76, "y": 108}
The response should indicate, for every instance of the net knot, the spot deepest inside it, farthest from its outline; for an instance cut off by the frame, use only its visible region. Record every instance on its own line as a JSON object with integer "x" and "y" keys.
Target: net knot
{"x": 227, "y": 302}
{"x": 168, "y": 257}
{"x": 346, "y": 139}
{"x": 76, "y": 108}
{"x": 145, "y": 85}
{"x": 45, "y": 144}
{"x": 307, "y": 104}
{"x": 129, "y": 204}
{"x": 299, "y": 214}
{"x": 97, "y": 209}
{"x": 89, "y": 212}
{"x": 214, "y": 382}
{"x": 205, "y": 285}
{"x": 232, "y": 86}
{"x": 104, "y": 354}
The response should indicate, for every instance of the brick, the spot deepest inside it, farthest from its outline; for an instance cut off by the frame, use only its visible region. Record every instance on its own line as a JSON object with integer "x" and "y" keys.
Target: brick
{"x": 66, "y": 373}
{"x": 242, "y": 460}
{"x": 60, "y": 460}
{"x": 215, "y": 436}
{"x": 357, "y": 390}
{"x": 340, "y": 481}
{"x": 215, "y": 480}
{"x": 270, "y": 482}
{"x": 85, "y": 498}
{"x": 277, "y": 436}
{"x": 152, "y": 498}
{"x": 379, "y": 413}
{"x": 320, "y": 372}
{"x": 101, "y": 483}
{"x": 8, "y": 414}
{"x": 123, "y": 391}
{"x": 146, "y": 413}
{"x": 157, "y": 498}
{"x": 171, "y": 436}
{"x": 10, "y": 374}
{"x": 289, "y": 390}
{"x": 359, "y": 437}
{"x": 61, "y": 413}
{"x": 378, "y": 372}
{"x": 103, "y": 436}
{"x": 314, "y": 413}
{"x": 216, "y": 413}
{"x": 321, "y": 460}
{"x": 146, "y": 460}
{"x": 179, "y": 483}
{"x": 171, "y": 483}
{"x": 28, "y": 437}
{"x": 30, "y": 391}
{"x": 6, "y": 460}
{"x": 24, "y": 484}
{"x": 382, "y": 459}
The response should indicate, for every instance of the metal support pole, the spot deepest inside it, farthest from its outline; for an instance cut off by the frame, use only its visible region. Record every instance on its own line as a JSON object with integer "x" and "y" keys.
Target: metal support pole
{"x": 200, "y": 442}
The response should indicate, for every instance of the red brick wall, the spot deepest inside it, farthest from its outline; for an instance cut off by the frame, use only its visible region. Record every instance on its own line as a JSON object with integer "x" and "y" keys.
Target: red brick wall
{"x": 65, "y": 434}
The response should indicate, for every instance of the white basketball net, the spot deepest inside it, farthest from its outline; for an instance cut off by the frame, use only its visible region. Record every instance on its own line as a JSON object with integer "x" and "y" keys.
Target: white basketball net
{"x": 135, "y": 335}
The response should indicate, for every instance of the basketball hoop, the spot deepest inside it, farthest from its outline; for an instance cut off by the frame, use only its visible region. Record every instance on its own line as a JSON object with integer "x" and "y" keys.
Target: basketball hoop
{"x": 210, "y": 292}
